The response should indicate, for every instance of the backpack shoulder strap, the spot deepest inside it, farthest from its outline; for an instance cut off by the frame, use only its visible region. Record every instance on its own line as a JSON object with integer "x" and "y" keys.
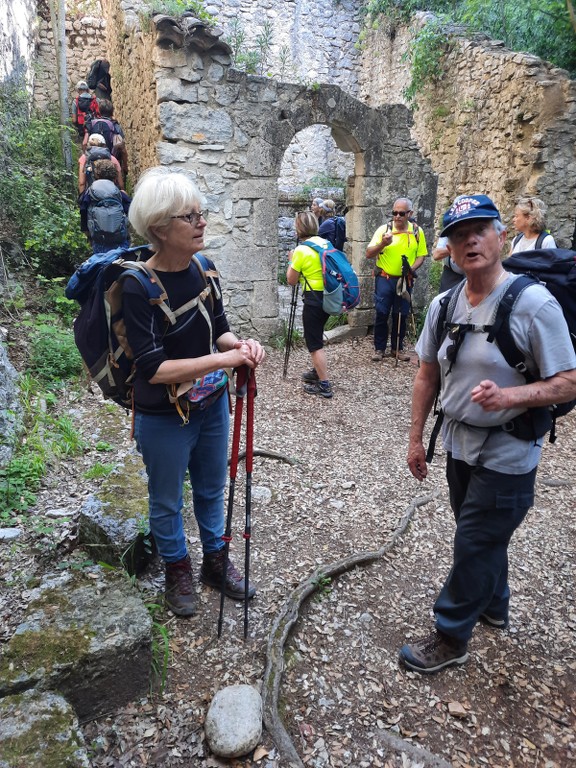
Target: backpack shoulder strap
{"x": 500, "y": 329}
{"x": 540, "y": 239}
{"x": 516, "y": 239}
{"x": 447, "y": 305}
{"x": 315, "y": 247}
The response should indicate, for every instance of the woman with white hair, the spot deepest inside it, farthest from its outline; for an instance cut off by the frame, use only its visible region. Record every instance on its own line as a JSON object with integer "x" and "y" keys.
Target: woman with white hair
{"x": 180, "y": 403}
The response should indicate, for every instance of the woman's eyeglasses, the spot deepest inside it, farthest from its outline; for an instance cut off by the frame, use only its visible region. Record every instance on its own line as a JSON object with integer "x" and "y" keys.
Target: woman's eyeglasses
{"x": 192, "y": 218}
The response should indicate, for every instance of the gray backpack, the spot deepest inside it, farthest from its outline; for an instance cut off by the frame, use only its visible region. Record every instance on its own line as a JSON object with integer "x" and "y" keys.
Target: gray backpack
{"x": 107, "y": 222}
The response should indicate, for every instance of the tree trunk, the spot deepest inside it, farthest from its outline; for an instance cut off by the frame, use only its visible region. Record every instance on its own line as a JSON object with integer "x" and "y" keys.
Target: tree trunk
{"x": 58, "y": 19}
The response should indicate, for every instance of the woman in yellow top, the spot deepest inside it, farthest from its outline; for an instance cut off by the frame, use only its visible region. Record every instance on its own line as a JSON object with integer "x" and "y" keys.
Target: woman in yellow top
{"x": 305, "y": 266}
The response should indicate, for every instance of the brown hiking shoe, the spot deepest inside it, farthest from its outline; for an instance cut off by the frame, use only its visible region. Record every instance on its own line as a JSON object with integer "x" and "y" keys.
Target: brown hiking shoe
{"x": 179, "y": 593}
{"x": 211, "y": 574}
{"x": 433, "y": 653}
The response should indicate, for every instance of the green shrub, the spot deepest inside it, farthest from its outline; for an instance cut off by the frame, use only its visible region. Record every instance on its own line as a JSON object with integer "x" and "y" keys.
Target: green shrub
{"x": 38, "y": 206}
{"x": 53, "y": 354}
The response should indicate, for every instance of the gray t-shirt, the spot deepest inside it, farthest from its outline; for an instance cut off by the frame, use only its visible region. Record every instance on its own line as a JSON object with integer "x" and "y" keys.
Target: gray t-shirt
{"x": 540, "y": 333}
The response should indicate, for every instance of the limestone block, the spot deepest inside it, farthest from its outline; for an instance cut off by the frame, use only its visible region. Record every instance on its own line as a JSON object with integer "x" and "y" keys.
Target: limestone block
{"x": 263, "y": 158}
{"x": 113, "y": 523}
{"x": 169, "y": 57}
{"x": 173, "y": 153}
{"x": 86, "y": 634}
{"x": 242, "y": 208}
{"x": 10, "y": 410}
{"x": 173, "y": 89}
{"x": 265, "y": 301}
{"x": 227, "y": 94}
{"x": 40, "y": 729}
{"x": 265, "y": 211}
{"x": 192, "y": 67}
{"x": 252, "y": 189}
{"x": 195, "y": 123}
{"x": 215, "y": 72}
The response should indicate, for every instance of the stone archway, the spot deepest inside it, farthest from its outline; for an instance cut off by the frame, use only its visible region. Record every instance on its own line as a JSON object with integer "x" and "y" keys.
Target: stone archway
{"x": 230, "y": 130}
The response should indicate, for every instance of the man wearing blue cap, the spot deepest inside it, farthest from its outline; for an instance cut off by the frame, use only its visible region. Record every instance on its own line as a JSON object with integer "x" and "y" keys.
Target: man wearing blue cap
{"x": 491, "y": 467}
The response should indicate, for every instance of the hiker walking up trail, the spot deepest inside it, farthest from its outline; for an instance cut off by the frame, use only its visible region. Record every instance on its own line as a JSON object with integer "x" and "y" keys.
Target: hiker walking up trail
{"x": 333, "y": 228}
{"x": 400, "y": 237}
{"x": 492, "y": 441}
{"x": 103, "y": 208}
{"x": 96, "y": 150}
{"x": 306, "y": 267}
{"x": 181, "y": 407}
{"x": 84, "y": 108}
{"x": 530, "y": 222}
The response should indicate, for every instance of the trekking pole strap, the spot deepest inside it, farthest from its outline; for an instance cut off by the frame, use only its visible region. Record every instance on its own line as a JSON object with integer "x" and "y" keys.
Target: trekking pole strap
{"x": 434, "y": 436}
{"x": 240, "y": 390}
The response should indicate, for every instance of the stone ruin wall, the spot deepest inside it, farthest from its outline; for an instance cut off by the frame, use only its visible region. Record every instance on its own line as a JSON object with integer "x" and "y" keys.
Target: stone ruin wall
{"x": 86, "y": 41}
{"x": 501, "y": 123}
{"x": 17, "y": 36}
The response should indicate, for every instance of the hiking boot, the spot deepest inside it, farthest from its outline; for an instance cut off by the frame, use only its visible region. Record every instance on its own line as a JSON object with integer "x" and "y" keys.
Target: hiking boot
{"x": 378, "y": 355}
{"x": 211, "y": 574}
{"x": 433, "y": 653}
{"x": 402, "y": 356}
{"x": 493, "y": 621}
{"x": 310, "y": 376}
{"x": 322, "y": 388}
{"x": 179, "y": 594}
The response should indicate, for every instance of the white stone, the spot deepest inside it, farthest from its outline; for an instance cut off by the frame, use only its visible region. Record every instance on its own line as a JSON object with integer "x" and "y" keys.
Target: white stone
{"x": 8, "y": 534}
{"x": 233, "y": 724}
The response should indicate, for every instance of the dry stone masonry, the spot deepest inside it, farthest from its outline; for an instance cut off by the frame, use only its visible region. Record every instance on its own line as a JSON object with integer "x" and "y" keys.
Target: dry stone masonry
{"x": 501, "y": 123}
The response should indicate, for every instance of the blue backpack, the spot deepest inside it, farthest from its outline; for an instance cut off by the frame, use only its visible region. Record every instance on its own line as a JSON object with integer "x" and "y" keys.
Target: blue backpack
{"x": 99, "y": 329}
{"x": 341, "y": 284}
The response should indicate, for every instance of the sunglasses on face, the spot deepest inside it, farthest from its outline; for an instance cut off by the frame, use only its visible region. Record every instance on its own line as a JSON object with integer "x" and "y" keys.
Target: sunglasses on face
{"x": 400, "y": 213}
{"x": 192, "y": 218}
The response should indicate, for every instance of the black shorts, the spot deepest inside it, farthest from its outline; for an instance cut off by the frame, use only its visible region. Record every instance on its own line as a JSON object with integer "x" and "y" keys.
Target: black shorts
{"x": 314, "y": 319}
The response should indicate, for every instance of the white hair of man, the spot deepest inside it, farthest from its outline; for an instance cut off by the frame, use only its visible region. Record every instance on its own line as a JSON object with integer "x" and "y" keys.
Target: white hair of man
{"x": 406, "y": 201}
{"x": 499, "y": 227}
{"x": 160, "y": 195}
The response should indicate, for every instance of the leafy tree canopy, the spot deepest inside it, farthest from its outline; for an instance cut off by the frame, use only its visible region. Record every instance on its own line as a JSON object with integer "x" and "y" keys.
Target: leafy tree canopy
{"x": 546, "y": 28}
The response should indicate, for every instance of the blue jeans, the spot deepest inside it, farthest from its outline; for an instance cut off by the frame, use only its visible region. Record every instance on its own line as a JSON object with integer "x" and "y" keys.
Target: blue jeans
{"x": 386, "y": 300}
{"x": 171, "y": 450}
{"x": 488, "y": 507}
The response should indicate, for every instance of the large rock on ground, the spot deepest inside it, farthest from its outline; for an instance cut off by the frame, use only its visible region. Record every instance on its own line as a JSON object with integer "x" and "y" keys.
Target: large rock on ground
{"x": 113, "y": 524}
{"x": 40, "y": 729}
{"x": 234, "y": 721}
{"x": 87, "y": 635}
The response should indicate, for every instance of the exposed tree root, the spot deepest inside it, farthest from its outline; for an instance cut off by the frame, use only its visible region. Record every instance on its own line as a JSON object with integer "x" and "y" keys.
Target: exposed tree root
{"x": 269, "y": 455}
{"x": 287, "y": 618}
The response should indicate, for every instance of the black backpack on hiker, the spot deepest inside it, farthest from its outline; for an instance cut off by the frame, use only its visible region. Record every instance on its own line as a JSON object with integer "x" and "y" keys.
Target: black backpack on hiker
{"x": 107, "y": 222}
{"x": 556, "y": 270}
{"x": 93, "y": 75}
{"x": 99, "y": 329}
{"x": 93, "y": 154}
{"x": 105, "y": 127}
{"x": 339, "y": 233}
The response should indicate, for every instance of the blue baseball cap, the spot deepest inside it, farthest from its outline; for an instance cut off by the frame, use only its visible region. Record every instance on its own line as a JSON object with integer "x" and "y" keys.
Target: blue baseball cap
{"x": 467, "y": 207}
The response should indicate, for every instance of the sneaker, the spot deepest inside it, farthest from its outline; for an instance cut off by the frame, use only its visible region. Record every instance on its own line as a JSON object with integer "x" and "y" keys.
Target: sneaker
{"x": 211, "y": 573}
{"x": 433, "y": 653}
{"x": 310, "y": 376}
{"x": 179, "y": 593}
{"x": 322, "y": 388}
{"x": 402, "y": 356}
{"x": 492, "y": 621}
{"x": 378, "y": 355}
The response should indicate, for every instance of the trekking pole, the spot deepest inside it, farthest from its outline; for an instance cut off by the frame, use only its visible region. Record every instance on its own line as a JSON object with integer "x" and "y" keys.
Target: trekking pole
{"x": 291, "y": 320}
{"x": 249, "y": 465}
{"x": 227, "y": 537}
{"x": 402, "y": 290}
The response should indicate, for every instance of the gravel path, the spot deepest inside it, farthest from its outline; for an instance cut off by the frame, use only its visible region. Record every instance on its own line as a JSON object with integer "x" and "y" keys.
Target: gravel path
{"x": 343, "y": 698}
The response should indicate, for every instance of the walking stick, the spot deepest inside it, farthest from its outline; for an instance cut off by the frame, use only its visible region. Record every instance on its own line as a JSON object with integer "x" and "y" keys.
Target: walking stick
{"x": 249, "y": 464}
{"x": 290, "y": 333}
{"x": 403, "y": 292}
{"x": 227, "y": 537}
